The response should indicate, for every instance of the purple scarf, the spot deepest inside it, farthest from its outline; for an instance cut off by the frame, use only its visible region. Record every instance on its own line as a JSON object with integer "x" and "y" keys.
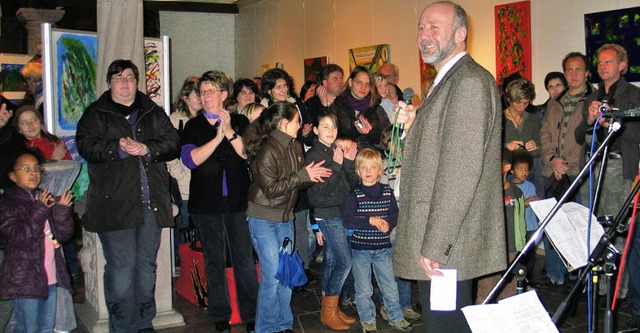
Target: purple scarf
{"x": 356, "y": 104}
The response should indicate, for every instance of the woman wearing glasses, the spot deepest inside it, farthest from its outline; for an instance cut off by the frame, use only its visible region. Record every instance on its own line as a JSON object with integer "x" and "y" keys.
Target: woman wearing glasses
{"x": 126, "y": 139}
{"x": 213, "y": 148}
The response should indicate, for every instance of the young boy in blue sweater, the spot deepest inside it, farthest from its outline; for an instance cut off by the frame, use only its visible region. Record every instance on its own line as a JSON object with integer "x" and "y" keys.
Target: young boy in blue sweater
{"x": 371, "y": 211}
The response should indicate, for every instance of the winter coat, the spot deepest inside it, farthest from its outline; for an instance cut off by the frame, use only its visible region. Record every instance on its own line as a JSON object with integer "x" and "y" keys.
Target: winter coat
{"x": 114, "y": 197}
{"x": 22, "y": 220}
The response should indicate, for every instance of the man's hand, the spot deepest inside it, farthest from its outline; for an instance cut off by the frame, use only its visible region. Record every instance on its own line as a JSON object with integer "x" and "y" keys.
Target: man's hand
{"x": 405, "y": 115}
{"x": 559, "y": 166}
{"x": 430, "y": 267}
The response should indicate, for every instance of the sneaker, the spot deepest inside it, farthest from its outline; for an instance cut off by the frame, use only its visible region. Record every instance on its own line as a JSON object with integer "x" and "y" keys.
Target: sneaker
{"x": 402, "y": 326}
{"x": 383, "y": 313}
{"x": 369, "y": 327}
{"x": 409, "y": 314}
{"x": 348, "y": 301}
{"x": 320, "y": 257}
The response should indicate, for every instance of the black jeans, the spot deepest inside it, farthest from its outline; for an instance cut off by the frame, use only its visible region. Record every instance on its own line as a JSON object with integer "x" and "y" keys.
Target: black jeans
{"x": 446, "y": 321}
{"x": 223, "y": 234}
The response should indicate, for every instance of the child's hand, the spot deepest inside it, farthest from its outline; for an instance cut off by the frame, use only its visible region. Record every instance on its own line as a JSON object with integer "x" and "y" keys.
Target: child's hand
{"x": 379, "y": 223}
{"x": 338, "y": 155}
{"x": 66, "y": 199}
{"x": 351, "y": 151}
{"x": 59, "y": 151}
{"x": 319, "y": 238}
{"x": 529, "y": 199}
{"x": 46, "y": 198}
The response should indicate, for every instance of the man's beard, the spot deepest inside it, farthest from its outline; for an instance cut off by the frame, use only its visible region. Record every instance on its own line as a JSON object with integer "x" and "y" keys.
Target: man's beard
{"x": 440, "y": 54}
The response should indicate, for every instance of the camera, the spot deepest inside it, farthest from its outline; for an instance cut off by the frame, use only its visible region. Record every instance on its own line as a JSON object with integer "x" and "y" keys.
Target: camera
{"x": 604, "y": 107}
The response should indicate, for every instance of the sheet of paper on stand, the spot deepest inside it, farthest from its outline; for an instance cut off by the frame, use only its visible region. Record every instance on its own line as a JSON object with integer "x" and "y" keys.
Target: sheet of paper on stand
{"x": 520, "y": 313}
{"x": 568, "y": 230}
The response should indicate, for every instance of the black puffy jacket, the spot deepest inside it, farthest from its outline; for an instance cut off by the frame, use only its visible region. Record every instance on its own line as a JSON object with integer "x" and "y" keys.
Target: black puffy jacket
{"x": 114, "y": 197}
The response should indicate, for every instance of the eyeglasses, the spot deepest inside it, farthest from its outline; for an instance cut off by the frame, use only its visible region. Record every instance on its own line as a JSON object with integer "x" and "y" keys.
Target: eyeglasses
{"x": 209, "y": 92}
{"x": 121, "y": 79}
{"x": 26, "y": 169}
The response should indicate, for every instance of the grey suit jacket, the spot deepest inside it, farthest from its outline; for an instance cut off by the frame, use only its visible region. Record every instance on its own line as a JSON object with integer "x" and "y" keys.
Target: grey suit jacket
{"x": 451, "y": 208}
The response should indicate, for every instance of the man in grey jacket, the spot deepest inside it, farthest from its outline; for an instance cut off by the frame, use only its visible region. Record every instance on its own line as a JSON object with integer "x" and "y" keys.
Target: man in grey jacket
{"x": 451, "y": 213}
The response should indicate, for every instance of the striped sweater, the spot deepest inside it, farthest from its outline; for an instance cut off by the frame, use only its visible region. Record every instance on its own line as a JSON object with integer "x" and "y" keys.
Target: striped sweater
{"x": 363, "y": 203}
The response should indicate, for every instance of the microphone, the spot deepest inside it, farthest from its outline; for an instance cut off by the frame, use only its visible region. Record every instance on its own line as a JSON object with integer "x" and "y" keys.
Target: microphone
{"x": 617, "y": 114}
{"x": 408, "y": 94}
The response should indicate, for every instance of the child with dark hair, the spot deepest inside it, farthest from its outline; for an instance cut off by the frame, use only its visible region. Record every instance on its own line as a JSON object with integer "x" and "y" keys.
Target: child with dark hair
{"x": 327, "y": 199}
{"x": 522, "y": 166}
{"x": 32, "y": 225}
{"x": 279, "y": 172}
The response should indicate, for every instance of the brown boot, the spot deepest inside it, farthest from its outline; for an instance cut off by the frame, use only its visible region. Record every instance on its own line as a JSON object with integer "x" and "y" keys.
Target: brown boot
{"x": 345, "y": 318}
{"x": 329, "y": 314}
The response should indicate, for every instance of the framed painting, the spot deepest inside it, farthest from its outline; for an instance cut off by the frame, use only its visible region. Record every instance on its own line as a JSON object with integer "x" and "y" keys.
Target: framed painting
{"x": 371, "y": 57}
{"x": 621, "y": 27}
{"x": 13, "y": 84}
{"x": 74, "y": 77}
{"x": 154, "y": 62}
{"x": 313, "y": 67}
{"x": 513, "y": 40}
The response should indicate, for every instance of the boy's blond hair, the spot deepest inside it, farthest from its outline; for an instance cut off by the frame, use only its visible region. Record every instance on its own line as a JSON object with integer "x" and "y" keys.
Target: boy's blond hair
{"x": 369, "y": 155}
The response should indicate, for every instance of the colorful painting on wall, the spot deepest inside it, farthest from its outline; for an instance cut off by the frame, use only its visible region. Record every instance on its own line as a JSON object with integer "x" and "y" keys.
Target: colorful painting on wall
{"x": 513, "y": 40}
{"x": 153, "y": 68}
{"x": 74, "y": 73}
{"x": 13, "y": 84}
{"x": 313, "y": 67}
{"x": 621, "y": 27}
{"x": 371, "y": 57}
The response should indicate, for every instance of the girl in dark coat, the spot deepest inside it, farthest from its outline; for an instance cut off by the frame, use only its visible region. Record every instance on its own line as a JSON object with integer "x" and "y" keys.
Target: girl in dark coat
{"x": 32, "y": 226}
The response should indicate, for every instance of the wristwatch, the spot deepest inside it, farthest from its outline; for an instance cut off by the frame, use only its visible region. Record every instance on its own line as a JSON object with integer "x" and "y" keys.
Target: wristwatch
{"x": 233, "y": 137}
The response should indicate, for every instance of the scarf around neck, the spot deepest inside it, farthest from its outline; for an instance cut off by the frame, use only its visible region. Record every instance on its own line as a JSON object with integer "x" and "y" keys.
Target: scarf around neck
{"x": 357, "y": 104}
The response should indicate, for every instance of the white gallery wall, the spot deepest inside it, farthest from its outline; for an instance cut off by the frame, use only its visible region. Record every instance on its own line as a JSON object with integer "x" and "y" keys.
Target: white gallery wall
{"x": 199, "y": 42}
{"x": 289, "y": 31}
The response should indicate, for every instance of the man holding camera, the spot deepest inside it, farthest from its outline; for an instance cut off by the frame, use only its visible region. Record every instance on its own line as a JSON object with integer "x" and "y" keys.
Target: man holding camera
{"x": 622, "y": 164}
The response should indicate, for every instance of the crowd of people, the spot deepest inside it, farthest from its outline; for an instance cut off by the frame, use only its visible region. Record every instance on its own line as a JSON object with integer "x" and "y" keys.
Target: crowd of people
{"x": 253, "y": 163}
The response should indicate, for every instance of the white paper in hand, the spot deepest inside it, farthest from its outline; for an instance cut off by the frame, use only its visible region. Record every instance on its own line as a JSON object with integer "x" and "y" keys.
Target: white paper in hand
{"x": 443, "y": 290}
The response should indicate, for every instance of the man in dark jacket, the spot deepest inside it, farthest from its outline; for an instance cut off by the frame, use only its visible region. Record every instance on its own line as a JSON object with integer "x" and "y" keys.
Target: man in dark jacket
{"x": 126, "y": 139}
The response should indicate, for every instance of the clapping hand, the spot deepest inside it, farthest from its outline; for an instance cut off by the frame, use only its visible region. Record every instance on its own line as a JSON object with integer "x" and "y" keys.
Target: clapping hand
{"x": 66, "y": 199}
{"x": 46, "y": 198}
{"x": 317, "y": 172}
{"x": 133, "y": 147}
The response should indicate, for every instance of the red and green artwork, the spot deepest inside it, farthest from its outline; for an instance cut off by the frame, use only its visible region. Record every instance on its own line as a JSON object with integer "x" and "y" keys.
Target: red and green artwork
{"x": 513, "y": 40}
{"x": 622, "y": 27}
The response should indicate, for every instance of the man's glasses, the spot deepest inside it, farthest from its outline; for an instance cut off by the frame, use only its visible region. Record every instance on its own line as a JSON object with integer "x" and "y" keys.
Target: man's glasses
{"x": 26, "y": 169}
{"x": 120, "y": 79}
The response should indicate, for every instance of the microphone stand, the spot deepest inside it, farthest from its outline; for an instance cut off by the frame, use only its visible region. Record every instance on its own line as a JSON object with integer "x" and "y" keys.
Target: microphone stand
{"x": 614, "y": 127}
{"x": 609, "y": 254}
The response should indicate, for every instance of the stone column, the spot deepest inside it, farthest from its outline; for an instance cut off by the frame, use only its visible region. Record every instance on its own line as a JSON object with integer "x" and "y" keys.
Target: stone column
{"x": 93, "y": 313}
{"x": 33, "y": 19}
